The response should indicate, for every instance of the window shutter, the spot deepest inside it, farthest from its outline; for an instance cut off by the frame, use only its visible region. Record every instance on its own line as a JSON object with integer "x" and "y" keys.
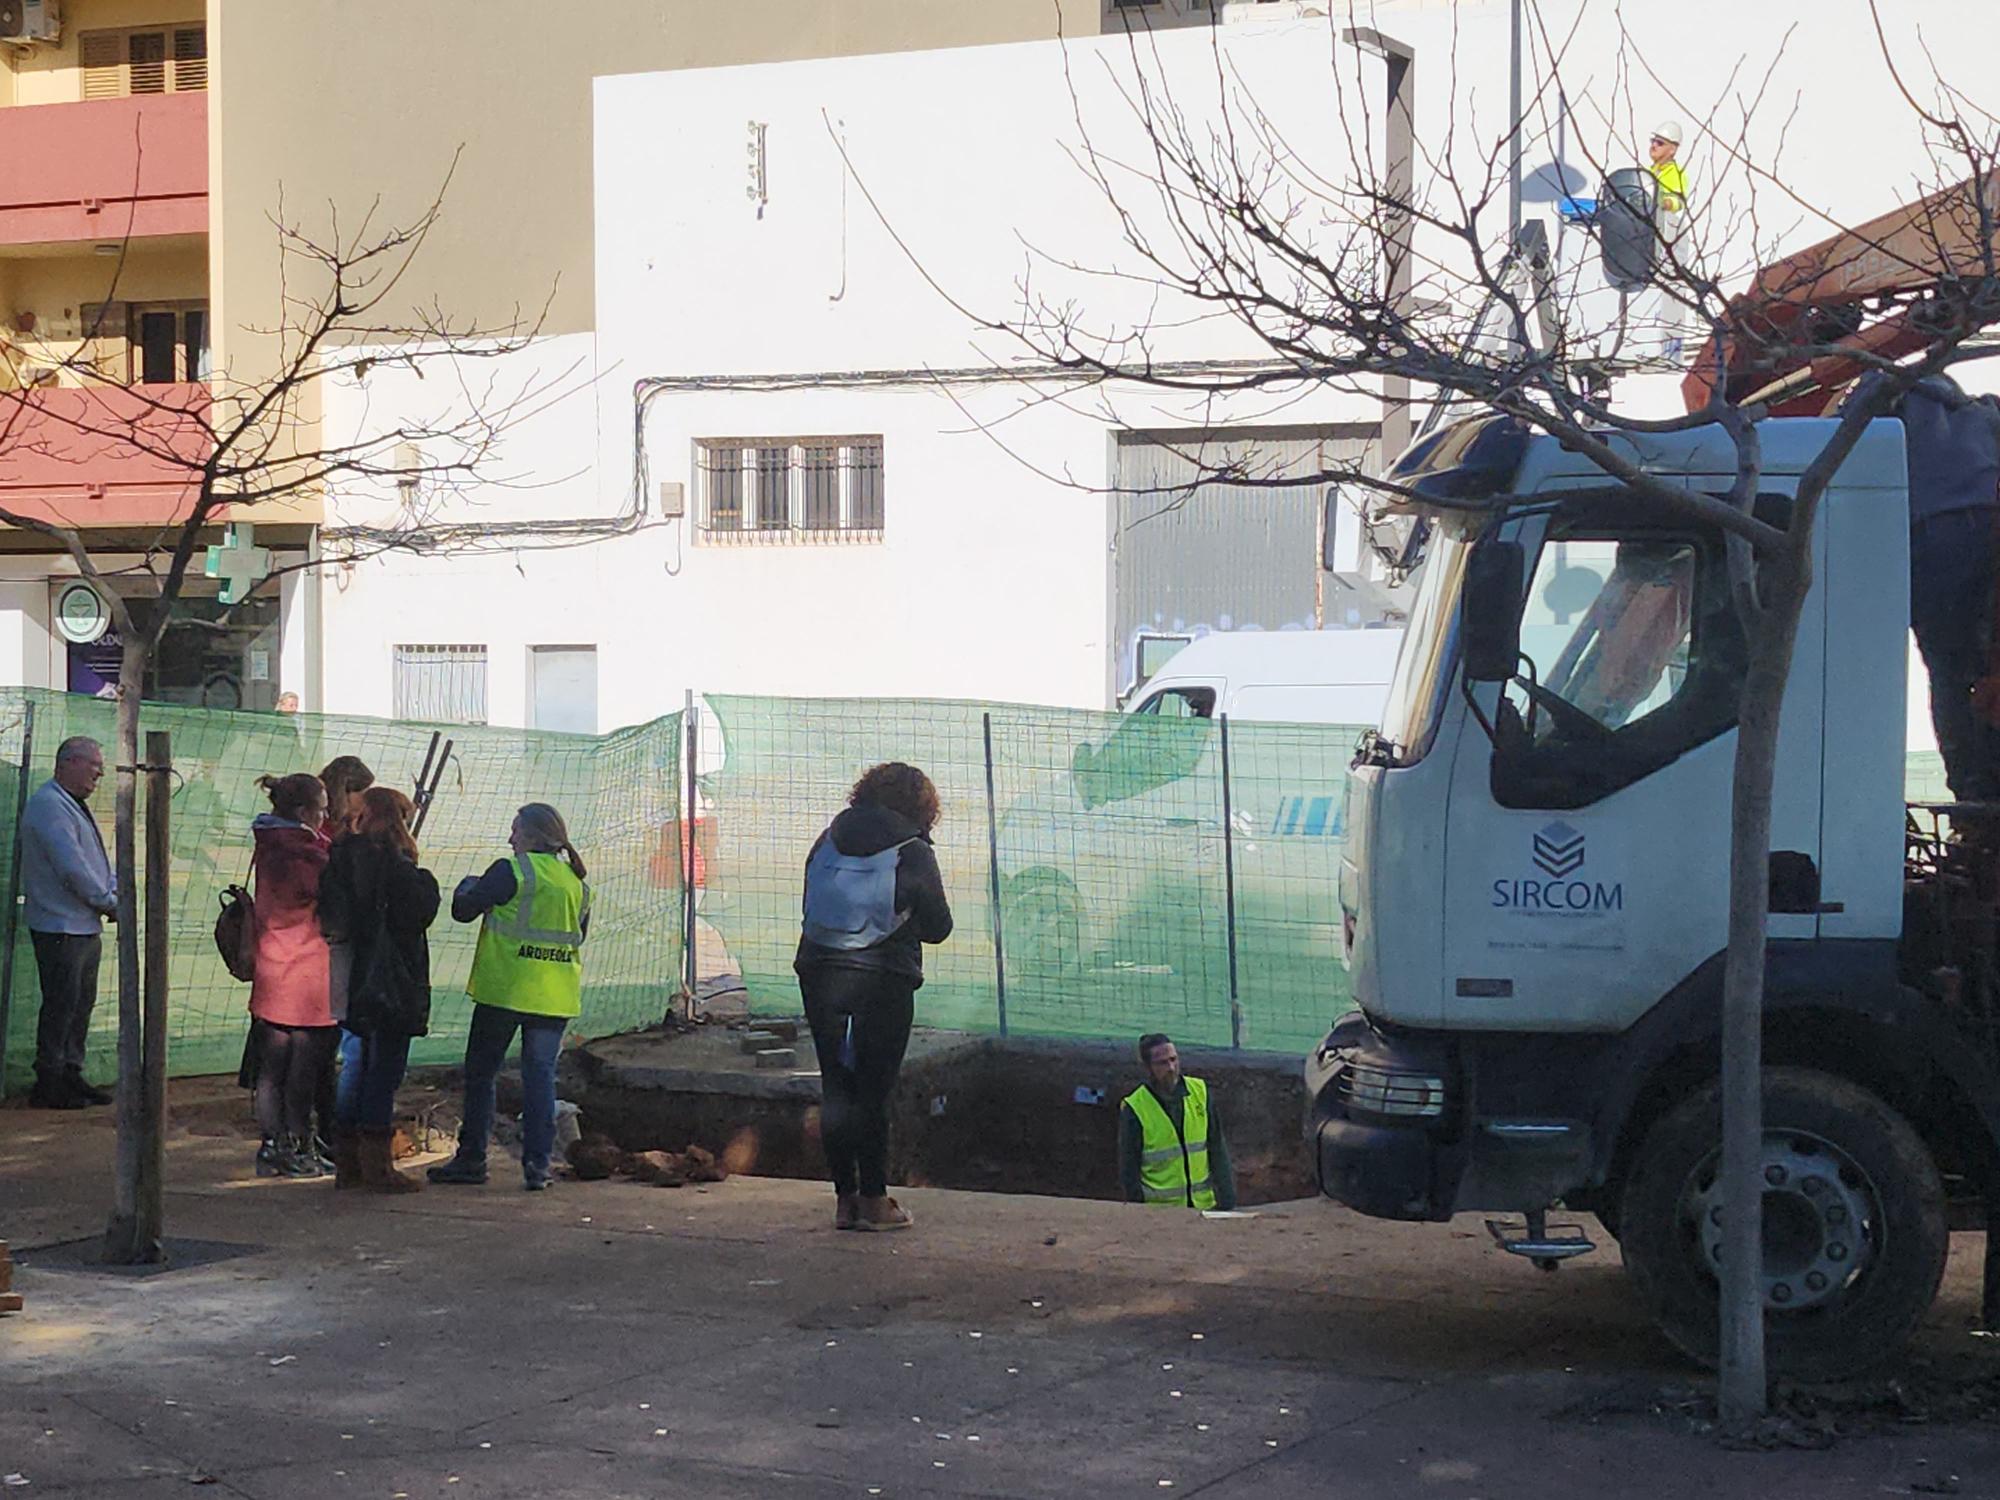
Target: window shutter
{"x": 148, "y": 56}
{"x": 190, "y": 59}
{"x": 103, "y": 65}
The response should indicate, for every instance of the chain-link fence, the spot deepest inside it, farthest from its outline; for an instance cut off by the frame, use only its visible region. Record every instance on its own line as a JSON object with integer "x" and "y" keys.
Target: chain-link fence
{"x": 620, "y": 794}
{"x": 1110, "y": 874}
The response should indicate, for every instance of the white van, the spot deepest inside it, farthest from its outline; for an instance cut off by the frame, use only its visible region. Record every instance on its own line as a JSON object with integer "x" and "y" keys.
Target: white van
{"x": 1118, "y": 864}
{"x": 1276, "y": 676}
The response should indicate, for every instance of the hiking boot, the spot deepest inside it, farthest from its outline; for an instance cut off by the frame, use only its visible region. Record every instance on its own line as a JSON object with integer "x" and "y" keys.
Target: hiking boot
{"x": 846, "y": 1211}
{"x": 461, "y": 1169}
{"x": 267, "y": 1159}
{"x": 881, "y": 1214}
{"x": 293, "y": 1159}
{"x": 377, "y": 1152}
{"x": 54, "y": 1096}
{"x": 85, "y": 1091}
{"x": 323, "y": 1155}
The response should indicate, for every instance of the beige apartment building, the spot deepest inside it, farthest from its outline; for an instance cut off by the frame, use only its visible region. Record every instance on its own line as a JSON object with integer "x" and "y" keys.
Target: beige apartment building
{"x": 148, "y": 149}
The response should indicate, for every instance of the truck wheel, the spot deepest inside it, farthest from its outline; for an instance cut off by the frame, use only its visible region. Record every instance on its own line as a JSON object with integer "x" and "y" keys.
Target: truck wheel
{"x": 1854, "y": 1225}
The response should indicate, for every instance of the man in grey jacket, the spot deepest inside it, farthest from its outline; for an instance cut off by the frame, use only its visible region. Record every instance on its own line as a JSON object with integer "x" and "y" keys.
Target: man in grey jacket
{"x": 68, "y": 891}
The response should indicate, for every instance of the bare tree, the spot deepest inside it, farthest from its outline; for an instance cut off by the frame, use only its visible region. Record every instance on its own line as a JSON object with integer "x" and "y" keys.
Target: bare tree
{"x": 235, "y": 447}
{"x": 1404, "y": 270}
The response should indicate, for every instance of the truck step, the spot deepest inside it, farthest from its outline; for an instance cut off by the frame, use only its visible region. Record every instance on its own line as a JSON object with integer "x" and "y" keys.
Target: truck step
{"x": 1547, "y": 1245}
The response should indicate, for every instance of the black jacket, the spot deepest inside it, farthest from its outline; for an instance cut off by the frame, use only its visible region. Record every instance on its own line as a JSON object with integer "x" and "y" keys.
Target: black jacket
{"x": 381, "y": 903}
{"x": 869, "y": 829}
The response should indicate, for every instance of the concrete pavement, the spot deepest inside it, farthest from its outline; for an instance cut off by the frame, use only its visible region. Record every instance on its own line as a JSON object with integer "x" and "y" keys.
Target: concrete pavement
{"x": 608, "y": 1339}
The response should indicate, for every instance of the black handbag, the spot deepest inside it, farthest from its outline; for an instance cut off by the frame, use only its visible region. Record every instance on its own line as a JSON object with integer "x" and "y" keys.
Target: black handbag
{"x": 236, "y": 930}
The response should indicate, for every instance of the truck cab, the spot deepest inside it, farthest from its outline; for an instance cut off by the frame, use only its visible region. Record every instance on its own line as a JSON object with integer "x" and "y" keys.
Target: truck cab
{"x": 1534, "y": 896}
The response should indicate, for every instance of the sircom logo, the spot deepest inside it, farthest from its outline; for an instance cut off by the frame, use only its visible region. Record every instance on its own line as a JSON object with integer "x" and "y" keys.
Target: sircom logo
{"x": 1559, "y": 889}
{"x": 1559, "y": 850}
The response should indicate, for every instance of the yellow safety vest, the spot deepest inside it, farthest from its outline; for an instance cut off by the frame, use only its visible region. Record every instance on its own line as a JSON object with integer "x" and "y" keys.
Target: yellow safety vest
{"x": 528, "y": 957}
{"x": 1673, "y": 186}
{"x": 1173, "y": 1164}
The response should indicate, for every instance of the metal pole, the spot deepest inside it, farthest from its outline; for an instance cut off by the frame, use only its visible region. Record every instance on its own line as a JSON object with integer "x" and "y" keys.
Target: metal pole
{"x": 1514, "y": 131}
{"x": 14, "y": 889}
{"x": 153, "y": 1076}
{"x": 690, "y": 729}
{"x": 993, "y": 874}
{"x": 1229, "y": 889}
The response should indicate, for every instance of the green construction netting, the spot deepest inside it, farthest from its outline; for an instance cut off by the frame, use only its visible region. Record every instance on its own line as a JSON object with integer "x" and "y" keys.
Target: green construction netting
{"x": 621, "y": 794}
{"x": 1114, "y": 882}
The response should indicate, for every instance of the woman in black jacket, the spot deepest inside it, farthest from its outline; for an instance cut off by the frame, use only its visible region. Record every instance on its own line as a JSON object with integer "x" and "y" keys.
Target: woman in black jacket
{"x": 873, "y": 898}
{"x": 376, "y": 898}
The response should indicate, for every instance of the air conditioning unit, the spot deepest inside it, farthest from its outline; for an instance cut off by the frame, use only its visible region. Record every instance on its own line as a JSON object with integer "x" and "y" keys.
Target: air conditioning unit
{"x": 30, "y": 20}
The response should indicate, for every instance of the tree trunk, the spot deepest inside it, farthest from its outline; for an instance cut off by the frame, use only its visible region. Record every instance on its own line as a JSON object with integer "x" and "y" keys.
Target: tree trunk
{"x": 129, "y": 1239}
{"x": 1744, "y": 1385}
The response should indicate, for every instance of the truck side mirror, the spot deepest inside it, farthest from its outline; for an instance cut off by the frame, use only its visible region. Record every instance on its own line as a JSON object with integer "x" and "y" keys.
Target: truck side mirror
{"x": 1490, "y": 619}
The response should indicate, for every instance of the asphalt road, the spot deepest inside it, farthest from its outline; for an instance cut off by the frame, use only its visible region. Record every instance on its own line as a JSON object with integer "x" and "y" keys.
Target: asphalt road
{"x": 608, "y": 1339}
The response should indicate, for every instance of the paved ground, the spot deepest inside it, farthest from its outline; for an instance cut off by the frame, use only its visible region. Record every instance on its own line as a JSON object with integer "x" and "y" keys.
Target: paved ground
{"x": 614, "y": 1340}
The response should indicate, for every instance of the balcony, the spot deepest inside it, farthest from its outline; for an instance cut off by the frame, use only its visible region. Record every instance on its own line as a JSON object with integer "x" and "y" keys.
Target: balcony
{"x": 102, "y": 455}
{"x": 103, "y": 169}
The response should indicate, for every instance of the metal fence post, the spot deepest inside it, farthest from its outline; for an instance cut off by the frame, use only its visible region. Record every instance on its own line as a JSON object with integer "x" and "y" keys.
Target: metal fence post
{"x": 993, "y": 870}
{"x": 690, "y": 972}
{"x": 1229, "y": 889}
{"x": 14, "y": 889}
{"x": 159, "y": 771}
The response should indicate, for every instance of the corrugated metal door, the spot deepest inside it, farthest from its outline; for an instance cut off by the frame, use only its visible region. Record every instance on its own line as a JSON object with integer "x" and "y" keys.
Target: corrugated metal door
{"x": 1192, "y": 557}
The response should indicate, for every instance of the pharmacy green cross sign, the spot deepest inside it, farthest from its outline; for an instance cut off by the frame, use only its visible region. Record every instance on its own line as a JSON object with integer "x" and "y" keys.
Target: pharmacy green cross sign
{"x": 238, "y": 562}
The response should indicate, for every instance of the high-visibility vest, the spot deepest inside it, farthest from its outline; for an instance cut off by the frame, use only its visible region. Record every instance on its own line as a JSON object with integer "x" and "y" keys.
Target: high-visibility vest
{"x": 1673, "y": 186}
{"x": 529, "y": 956}
{"x": 1173, "y": 1164}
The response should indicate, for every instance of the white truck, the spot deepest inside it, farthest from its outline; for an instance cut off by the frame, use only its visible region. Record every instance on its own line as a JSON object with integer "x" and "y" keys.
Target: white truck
{"x": 1534, "y": 899}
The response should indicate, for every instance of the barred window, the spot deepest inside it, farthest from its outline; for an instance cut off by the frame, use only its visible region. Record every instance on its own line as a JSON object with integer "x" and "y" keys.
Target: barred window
{"x": 441, "y": 684}
{"x": 815, "y": 489}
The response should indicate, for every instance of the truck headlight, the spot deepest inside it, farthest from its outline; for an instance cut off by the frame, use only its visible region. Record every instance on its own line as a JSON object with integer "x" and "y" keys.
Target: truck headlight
{"x": 1378, "y": 1091}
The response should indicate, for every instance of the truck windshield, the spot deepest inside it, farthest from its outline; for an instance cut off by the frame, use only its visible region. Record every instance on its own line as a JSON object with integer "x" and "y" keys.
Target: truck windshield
{"x": 1424, "y": 666}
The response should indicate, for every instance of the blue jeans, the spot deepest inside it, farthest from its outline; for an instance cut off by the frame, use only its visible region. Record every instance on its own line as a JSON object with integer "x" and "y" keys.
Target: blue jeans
{"x": 371, "y": 1070}
{"x": 347, "y": 1086}
{"x": 485, "y": 1050}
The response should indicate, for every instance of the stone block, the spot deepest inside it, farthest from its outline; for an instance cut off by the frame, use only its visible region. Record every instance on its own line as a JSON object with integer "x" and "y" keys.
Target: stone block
{"x": 778, "y": 1057}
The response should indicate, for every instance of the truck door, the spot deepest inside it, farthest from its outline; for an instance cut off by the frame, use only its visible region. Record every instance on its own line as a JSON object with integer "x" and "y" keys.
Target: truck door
{"x": 1587, "y": 847}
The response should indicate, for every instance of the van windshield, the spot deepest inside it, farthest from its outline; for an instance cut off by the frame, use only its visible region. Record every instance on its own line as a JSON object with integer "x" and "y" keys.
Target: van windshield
{"x": 1430, "y": 648}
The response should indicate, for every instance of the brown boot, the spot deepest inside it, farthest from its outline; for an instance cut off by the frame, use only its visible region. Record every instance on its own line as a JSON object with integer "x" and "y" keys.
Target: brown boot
{"x": 882, "y": 1213}
{"x": 846, "y": 1210}
{"x": 347, "y": 1160}
{"x": 378, "y": 1166}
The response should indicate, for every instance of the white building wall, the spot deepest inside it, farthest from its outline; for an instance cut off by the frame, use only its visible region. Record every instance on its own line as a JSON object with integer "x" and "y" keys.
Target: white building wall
{"x": 992, "y": 577}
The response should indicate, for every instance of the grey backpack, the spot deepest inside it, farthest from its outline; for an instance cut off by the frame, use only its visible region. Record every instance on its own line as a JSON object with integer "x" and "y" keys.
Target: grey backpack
{"x": 851, "y": 898}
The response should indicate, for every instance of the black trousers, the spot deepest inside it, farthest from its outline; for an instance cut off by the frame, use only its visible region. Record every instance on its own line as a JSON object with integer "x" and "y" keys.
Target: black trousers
{"x": 860, "y": 1023}
{"x": 67, "y": 963}
{"x": 1951, "y": 614}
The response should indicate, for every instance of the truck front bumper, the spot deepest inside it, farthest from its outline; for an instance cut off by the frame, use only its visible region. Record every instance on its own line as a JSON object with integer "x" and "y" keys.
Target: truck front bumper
{"x": 1378, "y": 1116}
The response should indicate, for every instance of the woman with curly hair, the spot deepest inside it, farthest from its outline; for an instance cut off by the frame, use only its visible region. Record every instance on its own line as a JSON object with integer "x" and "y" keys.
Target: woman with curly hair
{"x": 378, "y": 902}
{"x": 873, "y": 898}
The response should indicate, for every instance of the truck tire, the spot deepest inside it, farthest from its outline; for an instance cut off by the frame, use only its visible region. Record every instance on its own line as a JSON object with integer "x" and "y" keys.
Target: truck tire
{"x": 1854, "y": 1226}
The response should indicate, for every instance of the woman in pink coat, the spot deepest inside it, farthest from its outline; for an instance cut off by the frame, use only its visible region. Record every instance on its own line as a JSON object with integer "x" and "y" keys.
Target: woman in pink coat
{"x": 289, "y": 997}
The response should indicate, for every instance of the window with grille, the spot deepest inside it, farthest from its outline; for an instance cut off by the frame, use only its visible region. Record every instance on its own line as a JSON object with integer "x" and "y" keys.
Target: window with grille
{"x": 148, "y": 60}
{"x": 441, "y": 684}
{"x": 814, "y": 489}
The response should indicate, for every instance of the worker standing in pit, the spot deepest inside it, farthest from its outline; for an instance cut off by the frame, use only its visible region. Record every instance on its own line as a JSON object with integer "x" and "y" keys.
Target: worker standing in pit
{"x": 1171, "y": 1149}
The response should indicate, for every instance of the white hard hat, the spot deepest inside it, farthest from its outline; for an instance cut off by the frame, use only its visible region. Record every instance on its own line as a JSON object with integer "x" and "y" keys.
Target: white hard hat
{"x": 1668, "y": 130}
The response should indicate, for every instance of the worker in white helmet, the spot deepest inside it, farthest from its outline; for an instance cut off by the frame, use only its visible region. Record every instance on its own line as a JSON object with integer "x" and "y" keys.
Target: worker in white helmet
{"x": 1663, "y": 148}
